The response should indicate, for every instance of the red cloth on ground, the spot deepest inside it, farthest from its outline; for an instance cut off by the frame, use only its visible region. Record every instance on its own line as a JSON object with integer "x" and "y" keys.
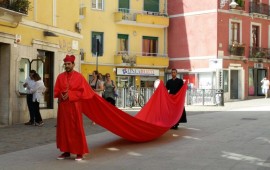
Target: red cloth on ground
{"x": 70, "y": 136}
{"x": 160, "y": 113}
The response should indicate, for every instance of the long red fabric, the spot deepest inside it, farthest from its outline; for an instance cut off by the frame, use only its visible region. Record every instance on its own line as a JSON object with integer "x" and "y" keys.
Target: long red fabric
{"x": 160, "y": 113}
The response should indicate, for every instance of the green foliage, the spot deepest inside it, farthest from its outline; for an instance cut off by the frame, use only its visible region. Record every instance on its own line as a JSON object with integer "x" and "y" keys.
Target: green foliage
{"x": 21, "y": 6}
{"x": 240, "y": 3}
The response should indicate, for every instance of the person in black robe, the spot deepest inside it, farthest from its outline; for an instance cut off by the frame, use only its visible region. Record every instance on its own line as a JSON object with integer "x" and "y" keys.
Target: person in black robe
{"x": 174, "y": 85}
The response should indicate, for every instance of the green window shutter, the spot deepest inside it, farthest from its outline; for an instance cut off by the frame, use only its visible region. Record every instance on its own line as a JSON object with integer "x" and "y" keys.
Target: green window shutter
{"x": 97, "y": 43}
{"x": 123, "y": 36}
{"x": 151, "y": 5}
{"x": 150, "y": 38}
{"x": 124, "y": 4}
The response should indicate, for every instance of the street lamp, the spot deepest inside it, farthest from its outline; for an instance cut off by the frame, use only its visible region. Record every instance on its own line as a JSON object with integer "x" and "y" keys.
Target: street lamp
{"x": 233, "y": 4}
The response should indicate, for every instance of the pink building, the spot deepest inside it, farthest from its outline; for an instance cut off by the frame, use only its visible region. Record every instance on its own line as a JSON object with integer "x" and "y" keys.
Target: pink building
{"x": 218, "y": 46}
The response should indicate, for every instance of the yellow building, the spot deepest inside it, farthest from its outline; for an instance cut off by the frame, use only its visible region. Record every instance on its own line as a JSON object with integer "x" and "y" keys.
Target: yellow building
{"x": 128, "y": 36}
{"x": 34, "y": 36}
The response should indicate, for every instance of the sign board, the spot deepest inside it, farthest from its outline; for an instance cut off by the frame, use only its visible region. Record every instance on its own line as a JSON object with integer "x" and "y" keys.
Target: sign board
{"x": 137, "y": 71}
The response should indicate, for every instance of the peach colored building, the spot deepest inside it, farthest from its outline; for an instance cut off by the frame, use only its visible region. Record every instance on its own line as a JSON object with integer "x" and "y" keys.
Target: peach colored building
{"x": 218, "y": 46}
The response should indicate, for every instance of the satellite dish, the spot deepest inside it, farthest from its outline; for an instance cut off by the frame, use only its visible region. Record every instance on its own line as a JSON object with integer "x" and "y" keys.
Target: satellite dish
{"x": 156, "y": 83}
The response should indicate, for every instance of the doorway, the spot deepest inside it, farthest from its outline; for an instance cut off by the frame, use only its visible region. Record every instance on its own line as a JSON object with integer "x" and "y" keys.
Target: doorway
{"x": 5, "y": 84}
{"x": 234, "y": 84}
{"x": 261, "y": 73}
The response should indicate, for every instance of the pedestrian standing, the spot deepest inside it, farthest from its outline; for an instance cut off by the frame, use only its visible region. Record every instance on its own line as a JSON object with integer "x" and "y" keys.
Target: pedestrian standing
{"x": 37, "y": 91}
{"x": 29, "y": 83}
{"x": 265, "y": 86}
{"x": 70, "y": 89}
{"x": 173, "y": 85}
{"x": 109, "y": 89}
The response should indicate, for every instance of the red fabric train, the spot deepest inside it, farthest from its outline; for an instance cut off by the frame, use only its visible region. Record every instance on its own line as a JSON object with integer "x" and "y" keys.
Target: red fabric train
{"x": 159, "y": 114}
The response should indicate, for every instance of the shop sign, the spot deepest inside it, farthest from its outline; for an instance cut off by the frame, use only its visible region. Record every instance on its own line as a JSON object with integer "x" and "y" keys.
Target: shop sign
{"x": 137, "y": 71}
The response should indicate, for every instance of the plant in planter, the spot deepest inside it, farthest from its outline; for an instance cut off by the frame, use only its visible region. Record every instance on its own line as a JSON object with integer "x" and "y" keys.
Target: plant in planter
{"x": 260, "y": 54}
{"x": 21, "y": 6}
{"x": 240, "y": 3}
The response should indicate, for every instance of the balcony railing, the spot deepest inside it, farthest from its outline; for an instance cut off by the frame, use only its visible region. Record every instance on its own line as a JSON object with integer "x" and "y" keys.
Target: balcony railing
{"x": 258, "y": 8}
{"x": 140, "y": 58}
{"x": 129, "y": 14}
{"x": 259, "y": 53}
{"x": 20, "y": 6}
{"x": 237, "y": 49}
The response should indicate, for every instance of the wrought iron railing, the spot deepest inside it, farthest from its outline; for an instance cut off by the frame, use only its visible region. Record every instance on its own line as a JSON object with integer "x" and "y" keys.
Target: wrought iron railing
{"x": 258, "y": 52}
{"x": 237, "y": 50}
{"x": 258, "y": 8}
{"x": 130, "y": 14}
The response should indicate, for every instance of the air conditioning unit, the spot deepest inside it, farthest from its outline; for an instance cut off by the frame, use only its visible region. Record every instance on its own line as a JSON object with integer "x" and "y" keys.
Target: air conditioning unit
{"x": 258, "y": 65}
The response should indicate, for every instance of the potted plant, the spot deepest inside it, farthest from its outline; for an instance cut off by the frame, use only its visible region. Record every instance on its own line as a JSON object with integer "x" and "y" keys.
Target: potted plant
{"x": 241, "y": 4}
{"x": 21, "y": 6}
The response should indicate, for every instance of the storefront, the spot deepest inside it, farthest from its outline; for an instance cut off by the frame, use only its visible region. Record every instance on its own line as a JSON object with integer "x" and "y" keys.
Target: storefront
{"x": 137, "y": 77}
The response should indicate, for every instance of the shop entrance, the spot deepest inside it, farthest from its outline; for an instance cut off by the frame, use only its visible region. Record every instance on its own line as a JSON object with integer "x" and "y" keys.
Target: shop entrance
{"x": 43, "y": 65}
{"x": 234, "y": 84}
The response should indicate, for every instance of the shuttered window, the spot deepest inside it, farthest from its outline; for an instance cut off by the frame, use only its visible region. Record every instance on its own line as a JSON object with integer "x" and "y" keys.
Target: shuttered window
{"x": 151, "y": 5}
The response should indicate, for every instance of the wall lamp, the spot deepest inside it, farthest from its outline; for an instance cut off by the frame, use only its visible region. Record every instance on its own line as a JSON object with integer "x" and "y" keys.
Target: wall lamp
{"x": 233, "y": 4}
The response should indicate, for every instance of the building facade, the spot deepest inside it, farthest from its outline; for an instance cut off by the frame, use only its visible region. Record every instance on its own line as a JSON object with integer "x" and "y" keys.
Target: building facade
{"x": 128, "y": 36}
{"x": 218, "y": 46}
{"x": 34, "y": 35}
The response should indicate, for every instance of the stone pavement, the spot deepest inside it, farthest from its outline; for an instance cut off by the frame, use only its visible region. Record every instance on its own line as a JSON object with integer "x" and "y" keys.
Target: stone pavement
{"x": 39, "y": 142}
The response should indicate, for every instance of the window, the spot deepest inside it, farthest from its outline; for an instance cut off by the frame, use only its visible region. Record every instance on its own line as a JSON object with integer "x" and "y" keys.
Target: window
{"x": 122, "y": 43}
{"x": 152, "y": 5}
{"x": 97, "y": 43}
{"x": 255, "y": 36}
{"x": 235, "y": 32}
{"x": 97, "y": 4}
{"x": 150, "y": 46}
{"x": 123, "y": 5}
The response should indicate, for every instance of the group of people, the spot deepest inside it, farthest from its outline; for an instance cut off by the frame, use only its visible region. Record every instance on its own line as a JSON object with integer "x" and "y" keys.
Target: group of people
{"x": 105, "y": 88}
{"x": 35, "y": 89}
{"x": 70, "y": 88}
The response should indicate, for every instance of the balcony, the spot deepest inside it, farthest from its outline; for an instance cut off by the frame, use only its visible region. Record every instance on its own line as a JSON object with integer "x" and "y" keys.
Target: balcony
{"x": 13, "y": 11}
{"x": 141, "y": 18}
{"x": 18, "y": 6}
{"x": 259, "y": 53}
{"x": 125, "y": 58}
{"x": 258, "y": 9}
{"x": 237, "y": 49}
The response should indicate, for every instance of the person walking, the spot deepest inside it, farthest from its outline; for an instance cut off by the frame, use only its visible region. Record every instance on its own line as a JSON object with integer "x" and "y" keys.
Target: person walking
{"x": 29, "y": 83}
{"x": 70, "y": 89}
{"x": 173, "y": 85}
{"x": 265, "y": 86}
{"x": 109, "y": 89}
{"x": 37, "y": 91}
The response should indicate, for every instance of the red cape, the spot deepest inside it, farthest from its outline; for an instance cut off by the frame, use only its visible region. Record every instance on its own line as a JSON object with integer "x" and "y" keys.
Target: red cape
{"x": 160, "y": 113}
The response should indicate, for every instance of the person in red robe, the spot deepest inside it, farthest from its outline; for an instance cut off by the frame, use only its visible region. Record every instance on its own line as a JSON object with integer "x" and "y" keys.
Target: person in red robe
{"x": 70, "y": 89}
